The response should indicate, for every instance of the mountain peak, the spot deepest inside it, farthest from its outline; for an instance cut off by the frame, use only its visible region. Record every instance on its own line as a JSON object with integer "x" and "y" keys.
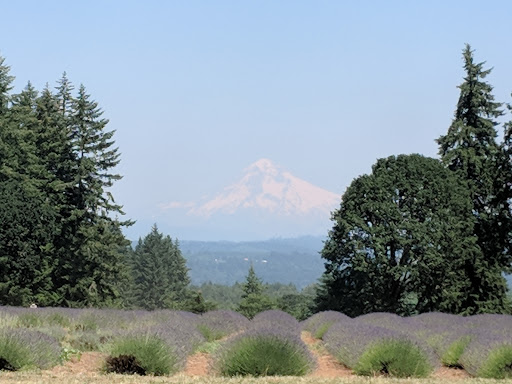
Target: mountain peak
{"x": 267, "y": 187}
{"x": 263, "y": 165}
{"x": 267, "y": 201}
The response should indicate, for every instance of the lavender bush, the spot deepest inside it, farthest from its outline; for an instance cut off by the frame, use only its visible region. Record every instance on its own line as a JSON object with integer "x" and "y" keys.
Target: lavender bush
{"x": 492, "y": 323}
{"x": 23, "y": 348}
{"x": 319, "y": 323}
{"x": 215, "y": 325}
{"x": 371, "y": 350}
{"x": 159, "y": 349}
{"x": 384, "y": 320}
{"x": 277, "y": 320}
{"x": 489, "y": 355}
{"x": 264, "y": 351}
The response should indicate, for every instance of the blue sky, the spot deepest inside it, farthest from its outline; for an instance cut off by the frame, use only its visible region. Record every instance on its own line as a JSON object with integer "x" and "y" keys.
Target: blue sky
{"x": 198, "y": 90}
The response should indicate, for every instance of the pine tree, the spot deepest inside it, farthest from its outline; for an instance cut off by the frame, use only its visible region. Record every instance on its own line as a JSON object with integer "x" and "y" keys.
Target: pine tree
{"x": 5, "y": 86}
{"x": 253, "y": 284}
{"x": 61, "y": 241}
{"x": 470, "y": 149}
{"x": 253, "y": 300}
{"x": 88, "y": 207}
{"x": 28, "y": 219}
{"x": 159, "y": 272}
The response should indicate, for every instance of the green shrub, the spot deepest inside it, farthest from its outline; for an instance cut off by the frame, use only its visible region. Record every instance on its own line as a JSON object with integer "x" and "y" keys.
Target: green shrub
{"x": 85, "y": 341}
{"x": 7, "y": 321}
{"x": 321, "y": 330}
{"x": 59, "y": 319}
{"x": 142, "y": 354}
{"x": 498, "y": 364}
{"x": 22, "y": 348}
{"x": 30, "y": 320}
{"x": 209, "y": 333}
{"x": 86, "y": 322}
{"x": 451, "y": 356}
{"x": 261, "y": 354}
{"x": 13, "y": 354}
{"x": 393, "y": 357}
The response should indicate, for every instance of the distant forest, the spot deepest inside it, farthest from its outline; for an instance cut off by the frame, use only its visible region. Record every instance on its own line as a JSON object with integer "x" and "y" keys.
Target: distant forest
{"x": 415, "y": 235}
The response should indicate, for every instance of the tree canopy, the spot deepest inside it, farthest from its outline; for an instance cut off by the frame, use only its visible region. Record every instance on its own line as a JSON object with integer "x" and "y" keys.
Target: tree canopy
{"x": 61, "y": 242}
{"x": 470, "y": 149}
{"x": 400, "y": 240}
{"x": 159, "y": 272}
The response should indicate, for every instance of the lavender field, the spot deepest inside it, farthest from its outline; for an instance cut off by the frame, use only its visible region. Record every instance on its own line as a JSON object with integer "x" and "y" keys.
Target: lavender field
{"x": 38, "y": 344}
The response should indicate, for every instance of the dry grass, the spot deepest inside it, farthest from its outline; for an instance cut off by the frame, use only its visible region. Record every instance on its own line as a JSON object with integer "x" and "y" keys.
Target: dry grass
{"x": 98, "y": 378}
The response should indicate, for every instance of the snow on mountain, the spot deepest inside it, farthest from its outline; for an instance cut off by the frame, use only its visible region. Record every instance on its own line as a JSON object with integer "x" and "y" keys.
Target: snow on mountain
{"x": 266, "y": 186}
{"x": 267, "y": 202}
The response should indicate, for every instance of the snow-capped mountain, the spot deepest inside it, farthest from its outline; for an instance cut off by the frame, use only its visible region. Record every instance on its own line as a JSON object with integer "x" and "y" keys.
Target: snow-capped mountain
{"x": 267, "y": 201}
{"x": 268, "y": 187}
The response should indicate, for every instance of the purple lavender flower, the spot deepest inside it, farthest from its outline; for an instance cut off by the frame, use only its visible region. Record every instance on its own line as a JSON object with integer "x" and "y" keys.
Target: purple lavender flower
{"x": 489, "y": 355}
{"x": 264, "y": 351}
{"x": 319, "y": 323}
{"x": 215, "y": 325}
{"x": 352, "y": 341}
{"x": 27, "y": 348}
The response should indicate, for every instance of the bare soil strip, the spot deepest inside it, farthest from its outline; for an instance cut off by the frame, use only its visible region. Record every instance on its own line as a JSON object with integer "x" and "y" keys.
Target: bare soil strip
{"x": 327, "y": 365}
{"x": 90, "y": 363}
{"x": 197, "y": 364}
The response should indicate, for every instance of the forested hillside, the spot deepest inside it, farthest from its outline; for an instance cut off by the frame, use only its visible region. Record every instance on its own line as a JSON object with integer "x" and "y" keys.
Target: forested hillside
{"x": 295, "y": 261}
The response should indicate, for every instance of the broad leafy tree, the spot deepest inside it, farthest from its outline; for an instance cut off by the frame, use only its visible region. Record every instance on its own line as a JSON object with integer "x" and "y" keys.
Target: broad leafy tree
{"x": 400, "y": 241}
{"x": 470, "y": 149}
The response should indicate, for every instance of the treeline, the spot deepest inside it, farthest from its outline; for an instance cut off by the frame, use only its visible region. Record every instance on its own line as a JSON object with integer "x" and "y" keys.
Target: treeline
{"x": 61, "y": 240}
{"x": 420, "y": 234}
{"x": 416, "y": 235}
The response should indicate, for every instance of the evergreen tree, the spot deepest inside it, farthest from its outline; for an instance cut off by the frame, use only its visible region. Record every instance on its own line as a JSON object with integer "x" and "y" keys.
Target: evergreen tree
{"x": 253, "y": 284}
{"x": 27, "y": 216}
{"x": 253, "y": 300}
{"x": 88, "y": 206}
{"x": 470, "y": 149}
{"x": 5, "y": 86}
{"x": 400, "y": 240}
{"x": 159, "y": 272}
{"x": 61, "y": 241}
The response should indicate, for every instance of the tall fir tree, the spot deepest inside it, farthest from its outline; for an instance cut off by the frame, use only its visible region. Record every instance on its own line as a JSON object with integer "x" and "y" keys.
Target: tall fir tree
{"x": 28, "y": 217}
{"x": 253, "y": 300}
{"x": 6, "y": 80}
{"x": 470, "y": 149}
{"x": 159, "y": 273}
{"x": 61, "y": 241}
{"x": 89, "y": 207}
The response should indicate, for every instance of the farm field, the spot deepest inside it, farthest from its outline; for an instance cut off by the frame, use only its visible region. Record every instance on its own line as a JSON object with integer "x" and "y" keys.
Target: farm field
{"x": 56, "y": 345}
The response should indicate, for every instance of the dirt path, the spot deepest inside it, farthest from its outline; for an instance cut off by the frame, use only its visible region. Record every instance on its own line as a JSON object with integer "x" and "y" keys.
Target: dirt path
{"x": 451, "y": 374}
{"x": 90, "y": 363}
{"x": 198, "y": 364}
{"x": 327, "y": 365}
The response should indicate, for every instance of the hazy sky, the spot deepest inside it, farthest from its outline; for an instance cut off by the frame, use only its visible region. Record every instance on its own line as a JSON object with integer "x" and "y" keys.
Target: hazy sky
{"x": 198, "y": 90}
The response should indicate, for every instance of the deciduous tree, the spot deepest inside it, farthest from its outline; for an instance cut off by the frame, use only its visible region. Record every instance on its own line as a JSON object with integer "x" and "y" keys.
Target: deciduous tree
{"x": 400, "y": 241}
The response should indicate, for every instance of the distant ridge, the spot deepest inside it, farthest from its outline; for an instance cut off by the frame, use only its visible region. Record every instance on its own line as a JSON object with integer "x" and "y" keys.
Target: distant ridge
{"x": 294, "y": 260}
